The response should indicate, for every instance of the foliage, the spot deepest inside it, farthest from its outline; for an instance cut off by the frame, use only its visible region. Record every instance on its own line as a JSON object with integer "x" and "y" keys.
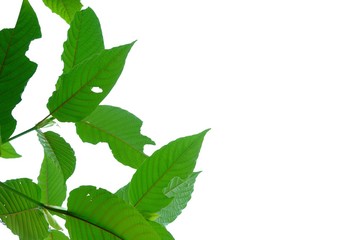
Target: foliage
{"x": 162, "y": 183}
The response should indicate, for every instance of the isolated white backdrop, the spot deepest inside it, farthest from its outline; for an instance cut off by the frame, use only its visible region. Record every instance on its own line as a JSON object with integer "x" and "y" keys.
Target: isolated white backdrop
{"x": 278, "y": 83}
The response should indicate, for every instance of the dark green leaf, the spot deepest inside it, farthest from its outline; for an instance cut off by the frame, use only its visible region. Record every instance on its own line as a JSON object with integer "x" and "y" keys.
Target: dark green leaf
{"x": 177, "y": 159}
{"x": 84, "y": 39}
{"x": 56, "y": 235}
{"x": 8, "y": 151}
{"x": 87, "y": 84}
{"x": 120, "y": 129}
{"x": 15, "y": 68}
{"x": 58, "y": 165}
{"x": 99, "y": 215}
{"x": 20, "y": 209}
{"x": 180, "y": 190}
{"x": 161, "y": 231}
{"x": 66, "y": 9}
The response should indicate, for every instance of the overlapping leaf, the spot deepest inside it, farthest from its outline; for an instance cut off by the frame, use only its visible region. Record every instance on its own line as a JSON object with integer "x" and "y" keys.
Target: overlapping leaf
{"x": 8, "y": 151}
{"x": 56, "y": 235}
{"x": 177, "y": 159}
{"x": 58, "y": 165}
{"x": 180, "y": 190}
{"x": 15, "y": 68}
{"x": 66, "y": 9}
{"x": 19, "y": 209}
{"x": 87, "y": 84}
{"x": 120, "y": 129}
{"x": 162, "y": 231}
{"x": 98, "y": 214}
{"x": 84, "y": 39}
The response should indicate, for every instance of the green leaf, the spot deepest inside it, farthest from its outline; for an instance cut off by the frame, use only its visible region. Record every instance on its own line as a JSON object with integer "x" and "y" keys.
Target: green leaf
{"x": 177, "y": 159}
{"x": 97, "y": 214}
{"x": 56, "y": 235}
{"x": 66, "y": 9}
{"x": 180, "y": 190}
{"x": 123, "y": 193}
{"x": 87, "y": 84}
{"x": 58, "y": 165}
{"x": 15, "y": 68}
{"x": 51, "y": 220}
{"x": 120, "y": 129}
{"x": 162, "y": 231}
{"x": 84, "y": 39}
{"x": 8, "y": 151}
{"x": 20, "y": 209}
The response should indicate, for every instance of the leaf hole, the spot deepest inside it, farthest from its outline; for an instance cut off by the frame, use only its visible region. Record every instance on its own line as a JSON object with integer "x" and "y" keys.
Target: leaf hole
{"x": 96, "y": 90}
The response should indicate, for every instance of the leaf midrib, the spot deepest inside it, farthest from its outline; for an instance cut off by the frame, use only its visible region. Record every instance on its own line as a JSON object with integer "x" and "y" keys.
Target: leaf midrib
{"x": 163, "y": 175}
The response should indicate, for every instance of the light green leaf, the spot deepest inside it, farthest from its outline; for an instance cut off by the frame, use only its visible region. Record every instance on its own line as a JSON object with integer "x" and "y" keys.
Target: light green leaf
{"x": 56, "y": 235}
{"x": 161, "y": 231}
{"x": 87, "y": 84}
{"x": 123, "y": 193}
{"x": 120, "y": 129}
{"x": 99, "y": 215}
{"x": 8, "y": 151}
{"x": 66, "y": 9}
{"x": 58, "y": 165}
{"x": 180, "y": 190}
{"x": 51, "y": 220}
{"x": 15, "y": 68}
{"x": 84, "y": 39}
{"x": 177, "y": 159}
{"x": 20, "y": 209}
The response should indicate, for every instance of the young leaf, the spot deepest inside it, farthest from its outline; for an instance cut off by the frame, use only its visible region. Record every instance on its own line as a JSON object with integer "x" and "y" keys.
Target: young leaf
{"x": 177, "y": 159}
{"x": 87, "y": 84}
{"x": 84, "y": 39}
{"x": 8, "y": 151}
{"x": 66, "y": 9}
{"x": 58, "y": 165}
{"x": 98, "y": 214}
{"x": 20, "y": 209}
{"x": 180, "y": 190}
{"x": 15, "y": 68}
{"x": 56, "y": 235}
{"x": 120, "y": 129}
{"x": 162, "y": 231}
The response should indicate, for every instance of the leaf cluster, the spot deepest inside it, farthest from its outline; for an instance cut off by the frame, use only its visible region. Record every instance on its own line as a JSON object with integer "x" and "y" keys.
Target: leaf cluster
{"x": 162, "y": 183}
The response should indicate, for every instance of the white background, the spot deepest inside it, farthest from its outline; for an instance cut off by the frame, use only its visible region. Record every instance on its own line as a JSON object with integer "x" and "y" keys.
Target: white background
{"x": 278, "y": 83}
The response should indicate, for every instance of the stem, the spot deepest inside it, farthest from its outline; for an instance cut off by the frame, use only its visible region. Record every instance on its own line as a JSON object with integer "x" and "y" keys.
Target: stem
{"x": 40, "y": 124}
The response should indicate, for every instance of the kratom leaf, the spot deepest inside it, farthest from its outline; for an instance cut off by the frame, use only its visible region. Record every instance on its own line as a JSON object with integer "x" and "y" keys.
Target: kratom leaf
{"x": 20, "y": 209}
{"x": 98, "y": 214}
{"x": 177, "y": 159}
{"x": 8, "y": 151}
{"x": 180, "y": 190}
{"x": 66, "y": 9}
{"x": 120, "y": 129}
{"x": 51, "y": 220}
{"x": 56, "y": 235}
{"x": 84, "y": 39}
{"x": 161, "y": 231}
{"x": 87, "y": 84}
{"x": 123, "y": 193}
{"x": 58, "y": 165}
{"x": 15, "y": 68}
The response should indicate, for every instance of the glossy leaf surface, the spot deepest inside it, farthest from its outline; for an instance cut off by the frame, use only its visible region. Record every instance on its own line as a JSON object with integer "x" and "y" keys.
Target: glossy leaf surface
{"x": 15, "y": 68}
{"x": 8, "y": 151}
{"x": 120, "y": 129}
